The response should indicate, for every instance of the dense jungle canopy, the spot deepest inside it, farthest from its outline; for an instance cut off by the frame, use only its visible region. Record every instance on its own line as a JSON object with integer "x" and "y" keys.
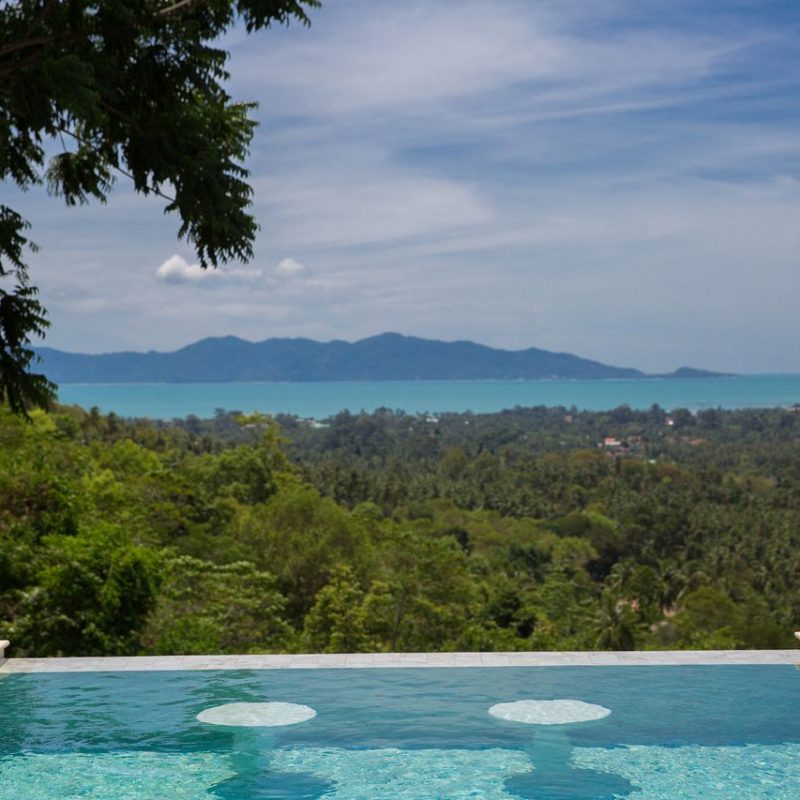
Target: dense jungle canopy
{"x": 393, "y": 532}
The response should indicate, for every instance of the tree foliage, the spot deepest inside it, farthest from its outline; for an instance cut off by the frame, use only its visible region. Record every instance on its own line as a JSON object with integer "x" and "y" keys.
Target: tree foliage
{"x": 210, "y": 608}
{"x": 133, "y": 88}
{"x": 125, "y": 537}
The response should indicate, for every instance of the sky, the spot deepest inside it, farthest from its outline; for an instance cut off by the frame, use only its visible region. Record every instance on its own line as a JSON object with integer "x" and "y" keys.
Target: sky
{"x": 618, "y": 179}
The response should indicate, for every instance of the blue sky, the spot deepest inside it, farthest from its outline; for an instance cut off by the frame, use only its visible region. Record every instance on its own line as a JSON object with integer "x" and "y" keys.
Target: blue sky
{"x": 614, "y": 178}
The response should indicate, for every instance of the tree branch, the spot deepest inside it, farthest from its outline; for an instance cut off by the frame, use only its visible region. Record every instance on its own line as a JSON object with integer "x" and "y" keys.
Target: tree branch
{"x": 150, "y": 189}
{"x": 34, "y": 41}
{"x": 179, "y": 6}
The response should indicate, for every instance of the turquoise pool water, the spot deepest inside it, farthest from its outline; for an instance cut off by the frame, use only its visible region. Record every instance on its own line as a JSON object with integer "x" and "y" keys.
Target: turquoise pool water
{"x": 710, "y": 732}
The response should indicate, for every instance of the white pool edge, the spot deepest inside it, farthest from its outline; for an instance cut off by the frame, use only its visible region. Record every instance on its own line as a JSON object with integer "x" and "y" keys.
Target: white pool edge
{"x": 400, "y": 660}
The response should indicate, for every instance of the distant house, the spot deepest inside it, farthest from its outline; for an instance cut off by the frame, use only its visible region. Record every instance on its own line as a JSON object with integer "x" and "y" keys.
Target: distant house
{"x": 614, "y": 447}
{"x": 313, "y": 423}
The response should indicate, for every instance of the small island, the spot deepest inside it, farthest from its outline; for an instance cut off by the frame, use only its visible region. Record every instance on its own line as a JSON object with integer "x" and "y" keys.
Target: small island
{"x": 385, "y": 357}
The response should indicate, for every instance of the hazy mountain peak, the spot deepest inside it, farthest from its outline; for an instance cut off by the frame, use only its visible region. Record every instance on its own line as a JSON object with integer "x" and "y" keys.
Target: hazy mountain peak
{"x": 385, "y": 356}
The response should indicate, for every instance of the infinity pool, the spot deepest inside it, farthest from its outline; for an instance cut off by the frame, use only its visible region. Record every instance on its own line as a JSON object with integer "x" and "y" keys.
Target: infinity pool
{"x": 677, "y": 732}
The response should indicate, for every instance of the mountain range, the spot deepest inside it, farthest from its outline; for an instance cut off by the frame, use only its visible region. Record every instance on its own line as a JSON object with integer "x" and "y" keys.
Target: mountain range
{"x": 385, "y": 357}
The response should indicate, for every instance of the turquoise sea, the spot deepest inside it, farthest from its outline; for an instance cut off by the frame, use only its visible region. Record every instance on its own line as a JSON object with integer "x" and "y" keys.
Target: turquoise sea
{"x": 323, "y": 399}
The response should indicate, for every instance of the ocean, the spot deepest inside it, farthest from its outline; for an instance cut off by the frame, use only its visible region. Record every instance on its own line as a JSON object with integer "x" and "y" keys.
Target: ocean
{"x": 323, "y": 399}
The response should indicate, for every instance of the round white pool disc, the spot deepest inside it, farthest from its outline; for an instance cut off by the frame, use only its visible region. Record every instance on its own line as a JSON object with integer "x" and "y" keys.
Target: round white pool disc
{"x": 549, "y": 712}
{"x": 257, "y": 715}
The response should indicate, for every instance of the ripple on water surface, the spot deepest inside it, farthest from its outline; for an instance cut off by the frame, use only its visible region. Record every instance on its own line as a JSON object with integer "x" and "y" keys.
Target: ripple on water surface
{"x": 751, "y": 772}
{"x": 674, "y": 733}
{"x": 112, "y": 776}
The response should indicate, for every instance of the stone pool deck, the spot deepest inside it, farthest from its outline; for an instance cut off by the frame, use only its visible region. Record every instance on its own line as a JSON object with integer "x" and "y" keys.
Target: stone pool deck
{"x": 394, "y": 660}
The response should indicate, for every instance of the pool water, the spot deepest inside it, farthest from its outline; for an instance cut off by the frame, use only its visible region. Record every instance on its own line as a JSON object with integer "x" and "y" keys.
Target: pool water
{"x": 689, "y": 732}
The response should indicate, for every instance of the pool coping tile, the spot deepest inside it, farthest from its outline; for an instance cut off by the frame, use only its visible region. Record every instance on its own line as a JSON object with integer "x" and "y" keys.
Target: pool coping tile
{"x": 399, "y": 660}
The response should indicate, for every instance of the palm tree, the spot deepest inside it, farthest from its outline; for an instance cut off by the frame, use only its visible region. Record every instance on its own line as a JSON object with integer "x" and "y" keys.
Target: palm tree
{"x": 616, "y": 625}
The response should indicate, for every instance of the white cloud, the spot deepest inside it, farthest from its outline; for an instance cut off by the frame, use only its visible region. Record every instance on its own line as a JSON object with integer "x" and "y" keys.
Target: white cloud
{"x": 376, "y": 203}
{"x": 288, "y": 268}
{"x": 420, "y": 56}
{"x": 177, "y": 270}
